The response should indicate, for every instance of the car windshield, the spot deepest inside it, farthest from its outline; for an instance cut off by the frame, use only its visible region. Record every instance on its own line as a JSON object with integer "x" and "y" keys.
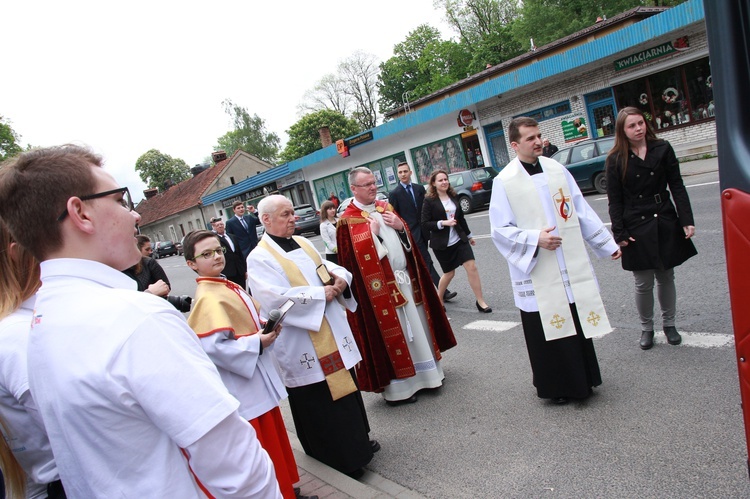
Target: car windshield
{"x": 480, "y": 175}
{"x": 307, "y": 210}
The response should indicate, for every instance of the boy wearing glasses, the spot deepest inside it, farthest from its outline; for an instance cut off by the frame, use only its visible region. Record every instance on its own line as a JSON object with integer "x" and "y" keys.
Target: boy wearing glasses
{"x": 127, "y": 411}
{"x": 226, "y": 320}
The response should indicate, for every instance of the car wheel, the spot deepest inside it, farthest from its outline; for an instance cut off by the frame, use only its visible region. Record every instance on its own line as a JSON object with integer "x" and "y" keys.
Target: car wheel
{"x": 600, "y": 183}
{"x": 465, "y": 203}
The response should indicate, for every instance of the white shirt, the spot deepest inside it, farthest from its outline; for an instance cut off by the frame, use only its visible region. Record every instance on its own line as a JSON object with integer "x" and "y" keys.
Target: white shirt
{"x": 28, "y": 439}
{"x": 328, "y": 235}
{"x": 122, "y": 384}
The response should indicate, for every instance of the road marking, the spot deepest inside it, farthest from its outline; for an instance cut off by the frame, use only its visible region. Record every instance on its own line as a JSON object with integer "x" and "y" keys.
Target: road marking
{"x": 497, "y": 326}
{"x": 700, "y": 340}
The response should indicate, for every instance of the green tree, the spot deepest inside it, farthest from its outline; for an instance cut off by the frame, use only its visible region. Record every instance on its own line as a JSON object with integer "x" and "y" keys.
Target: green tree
{"x": 304, "y": 136}
{"x": 161, "y": 170}
{"x": 484, "y": 28}
{"x": 421, "y": 64}
{"x": 548, "y": 20}
{"x": 9, "y": 140}
{"x": 249, "y": 134}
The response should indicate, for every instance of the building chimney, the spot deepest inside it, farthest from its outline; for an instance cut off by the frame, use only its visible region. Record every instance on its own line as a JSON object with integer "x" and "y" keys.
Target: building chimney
{"x": 325, "y": 136}
{"x": 219, "y": 156}
{"x": 149, "y": 193}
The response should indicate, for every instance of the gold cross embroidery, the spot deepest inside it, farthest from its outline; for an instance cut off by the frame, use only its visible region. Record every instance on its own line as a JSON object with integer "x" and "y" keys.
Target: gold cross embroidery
{"x": 593, "y": 318}
{"x": 557, "y": 321}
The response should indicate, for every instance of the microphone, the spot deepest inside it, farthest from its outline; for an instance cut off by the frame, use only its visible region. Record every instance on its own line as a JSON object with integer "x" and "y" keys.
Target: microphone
{"x": 274, "y": 316}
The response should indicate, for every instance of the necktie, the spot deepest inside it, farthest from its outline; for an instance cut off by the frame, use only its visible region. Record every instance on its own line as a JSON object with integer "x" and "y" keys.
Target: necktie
{"x": 411, "y": 193}
{"x": 244, "y": 224}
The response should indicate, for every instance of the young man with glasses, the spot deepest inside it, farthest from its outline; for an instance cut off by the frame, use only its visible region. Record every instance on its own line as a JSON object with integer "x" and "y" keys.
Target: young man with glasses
{"x": 130, "y": 400}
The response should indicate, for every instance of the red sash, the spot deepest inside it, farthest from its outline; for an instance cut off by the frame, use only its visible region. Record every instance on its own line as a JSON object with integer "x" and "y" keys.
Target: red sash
{"x": 384, "y": 294}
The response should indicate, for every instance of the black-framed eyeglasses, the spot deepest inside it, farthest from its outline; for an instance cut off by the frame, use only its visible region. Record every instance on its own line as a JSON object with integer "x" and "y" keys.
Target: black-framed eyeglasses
{"x": 126, "y": 201}
{"x": 210, "y": 253}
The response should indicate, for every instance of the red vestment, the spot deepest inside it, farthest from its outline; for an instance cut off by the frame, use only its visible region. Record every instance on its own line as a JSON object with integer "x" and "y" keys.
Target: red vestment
{"x": 375, "y": 324}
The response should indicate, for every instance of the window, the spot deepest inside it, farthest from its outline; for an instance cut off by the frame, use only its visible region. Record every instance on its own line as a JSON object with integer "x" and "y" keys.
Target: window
{"x": 562, "y": 156}
{"x": 456, "y": 180}
{"x": 549, "y": 112}
{"x": 582, "y": 153}
{"x": 446, "y": 154}
{"x": 672, "y": 97}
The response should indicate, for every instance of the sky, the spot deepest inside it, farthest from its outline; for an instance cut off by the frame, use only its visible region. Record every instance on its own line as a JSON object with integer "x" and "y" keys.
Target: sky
{"x": 127, "y": 77}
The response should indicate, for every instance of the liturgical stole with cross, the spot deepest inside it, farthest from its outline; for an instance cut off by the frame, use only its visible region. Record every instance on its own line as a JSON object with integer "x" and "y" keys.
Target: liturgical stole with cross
{"x": 546, "y": 276}
{"x": 339, "y": 380}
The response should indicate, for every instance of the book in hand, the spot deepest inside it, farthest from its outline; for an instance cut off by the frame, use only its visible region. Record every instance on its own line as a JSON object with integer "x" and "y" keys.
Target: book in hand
{"x": 276, "y": 316}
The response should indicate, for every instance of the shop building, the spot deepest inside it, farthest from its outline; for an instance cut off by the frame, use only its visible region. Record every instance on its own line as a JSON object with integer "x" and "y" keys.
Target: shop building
{"x": 653, "y": 58}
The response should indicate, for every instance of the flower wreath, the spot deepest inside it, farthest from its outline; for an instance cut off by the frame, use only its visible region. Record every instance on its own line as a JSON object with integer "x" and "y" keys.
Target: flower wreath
{"x": 669, "y": 95}
{"x": 643, "y": 99}
{"x": 709, "y": 82}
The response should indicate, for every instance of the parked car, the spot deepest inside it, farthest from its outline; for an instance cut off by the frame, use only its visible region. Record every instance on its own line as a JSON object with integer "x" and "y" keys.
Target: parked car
{"x": 307, "y": 219}
{"x": 585, "y": 161}
{"x": 381, "y": 196}
{"x": 164, "y": 248}
{"x": 179, "y": 247}
{"x": 473, "y": 187}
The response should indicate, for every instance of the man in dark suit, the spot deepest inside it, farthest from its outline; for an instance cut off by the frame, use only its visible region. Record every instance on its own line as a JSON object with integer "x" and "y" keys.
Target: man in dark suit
{"x": 242, "y": 227}
{"x": 548, "y": 148}
{"x": 407, "y": 199}
{"x": 235, "y": 266}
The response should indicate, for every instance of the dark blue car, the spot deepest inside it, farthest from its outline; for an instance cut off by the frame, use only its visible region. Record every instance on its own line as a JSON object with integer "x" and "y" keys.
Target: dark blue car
{"x": 585, "y": 161}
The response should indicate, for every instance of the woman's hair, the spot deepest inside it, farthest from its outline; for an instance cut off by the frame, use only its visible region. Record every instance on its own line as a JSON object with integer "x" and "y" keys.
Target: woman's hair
{"x": 324, "y": 210}
{"x": 142, "y": 240}
{"x": 19, "y": 273}
{"x": 618, "y": 156}
{"x": 15, "y": 478}
{"x": 432, "y": 191}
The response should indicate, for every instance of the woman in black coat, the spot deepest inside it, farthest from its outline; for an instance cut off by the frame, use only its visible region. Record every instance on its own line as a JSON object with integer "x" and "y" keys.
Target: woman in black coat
{"x": 654, "y": 232}
{"x": 449, "y": 235}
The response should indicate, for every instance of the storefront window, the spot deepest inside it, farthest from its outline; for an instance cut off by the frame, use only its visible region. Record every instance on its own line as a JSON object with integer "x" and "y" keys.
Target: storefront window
{"x": 447, "y": 154}
{"x": 700, "y": 90}
{"x": 673, "y": 97}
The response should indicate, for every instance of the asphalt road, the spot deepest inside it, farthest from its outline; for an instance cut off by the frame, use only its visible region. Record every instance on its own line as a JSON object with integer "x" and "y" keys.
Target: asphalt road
{"x": 665, "y": 422}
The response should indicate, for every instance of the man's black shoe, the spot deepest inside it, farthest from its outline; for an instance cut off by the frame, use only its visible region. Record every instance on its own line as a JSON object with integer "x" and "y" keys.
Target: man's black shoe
{"x": 449, "y": 295}
{"x": 410, "y": 400}
{"x": 560, "y": 400}
{"x": 375, "y": 446}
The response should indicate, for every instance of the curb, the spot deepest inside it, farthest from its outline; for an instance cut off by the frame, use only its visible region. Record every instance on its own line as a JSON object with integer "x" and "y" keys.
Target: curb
{"x": 319, "y": 479}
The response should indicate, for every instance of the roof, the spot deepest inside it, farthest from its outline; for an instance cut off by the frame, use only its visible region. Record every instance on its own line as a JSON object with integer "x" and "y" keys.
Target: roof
{"x": 637, "y": 13}
{"x": 185, "y": 195}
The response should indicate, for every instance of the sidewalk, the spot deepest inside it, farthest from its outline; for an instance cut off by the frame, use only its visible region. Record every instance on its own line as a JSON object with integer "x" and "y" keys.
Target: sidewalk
{"x": 318, "y": 479}
{"x": 698, "y": 166}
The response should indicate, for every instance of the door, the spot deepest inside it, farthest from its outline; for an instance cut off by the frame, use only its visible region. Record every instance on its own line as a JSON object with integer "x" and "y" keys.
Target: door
{"x": 601, "y": 110}
{"x": 496, "y": 142}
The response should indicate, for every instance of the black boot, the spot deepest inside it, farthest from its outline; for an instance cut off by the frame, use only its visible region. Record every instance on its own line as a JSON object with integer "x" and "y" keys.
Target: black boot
{"x": 673, "y": 337}
{"x": 647, "y": 340}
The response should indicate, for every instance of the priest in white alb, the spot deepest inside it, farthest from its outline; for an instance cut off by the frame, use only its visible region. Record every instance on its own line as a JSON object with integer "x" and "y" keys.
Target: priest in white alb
{"x": 317, "y": 352}
{"x": 540, "y": 221}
